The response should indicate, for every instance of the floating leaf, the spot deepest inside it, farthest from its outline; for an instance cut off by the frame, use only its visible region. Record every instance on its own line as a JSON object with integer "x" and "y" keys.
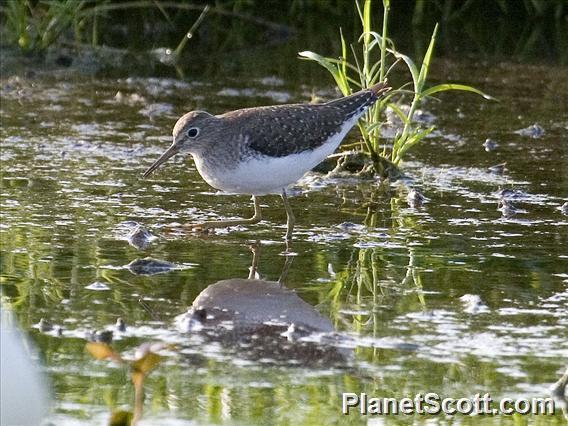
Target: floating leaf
{"x": 121, "y": 418}
{"x": 102, "y": 351}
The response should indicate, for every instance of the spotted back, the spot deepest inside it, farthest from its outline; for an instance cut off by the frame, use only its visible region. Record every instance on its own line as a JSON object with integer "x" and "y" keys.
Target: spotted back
{"x": 282, "y": 130}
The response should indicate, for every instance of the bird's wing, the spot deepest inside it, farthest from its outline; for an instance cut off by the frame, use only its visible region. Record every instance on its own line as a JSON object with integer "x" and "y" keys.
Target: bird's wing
{"x": 283, "y": 130}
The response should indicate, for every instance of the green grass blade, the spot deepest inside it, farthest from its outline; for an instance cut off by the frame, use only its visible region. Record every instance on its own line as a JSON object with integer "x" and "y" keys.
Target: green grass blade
{"x": 410, "y": 142}
{"x": 359, "y": 11}
{"x": 427, "y": 59}
{"x": 374, "y": 73}
{"x": 343, "y": 53}
{"x": 374, "y": 127}
{"x": 164, "y": 12}
{"x": 359, "y": 70}
{"x": 322, "y": 60}
{"x": 395, "y": 63}
{"x": 367, "y": 16}
{"x": 386, "y": 12}
{"x": 333, "y": 66}
{"x": 410, "y": 64}
{"x": 366, "y": 40}
{"x": 451, "y": 86}
{"x": 352, "y": 81}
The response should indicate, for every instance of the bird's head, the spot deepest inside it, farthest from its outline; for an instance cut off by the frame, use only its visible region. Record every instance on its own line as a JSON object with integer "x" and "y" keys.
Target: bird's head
{"x": 190, "y": 134}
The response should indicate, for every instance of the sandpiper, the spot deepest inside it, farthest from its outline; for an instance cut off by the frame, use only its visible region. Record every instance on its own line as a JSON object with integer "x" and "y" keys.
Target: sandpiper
{"x": 263, "y": 150}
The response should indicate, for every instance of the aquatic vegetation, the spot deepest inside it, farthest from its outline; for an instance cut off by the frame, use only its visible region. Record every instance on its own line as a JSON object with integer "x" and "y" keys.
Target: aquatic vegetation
{"x": 35, "y": 26}
{"x": 365, "y": 72}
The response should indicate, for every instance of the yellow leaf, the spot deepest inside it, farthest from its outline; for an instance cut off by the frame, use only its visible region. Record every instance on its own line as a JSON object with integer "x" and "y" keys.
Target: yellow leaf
{"x": 146, "y": 363}
{"x": 121, "y": 418}
{"x": 102, "y": 351}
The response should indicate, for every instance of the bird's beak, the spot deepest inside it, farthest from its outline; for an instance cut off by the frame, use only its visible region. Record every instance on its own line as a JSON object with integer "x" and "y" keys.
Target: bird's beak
{"x": 170, "y": 152}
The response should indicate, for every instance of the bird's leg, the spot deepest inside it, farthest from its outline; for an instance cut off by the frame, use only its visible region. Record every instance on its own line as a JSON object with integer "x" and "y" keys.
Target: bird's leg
{"x": 257, "y": 217}
{"x": 290, "y": 219}
{"x": 255, "y": 248}
{"x": 285, "y": 269}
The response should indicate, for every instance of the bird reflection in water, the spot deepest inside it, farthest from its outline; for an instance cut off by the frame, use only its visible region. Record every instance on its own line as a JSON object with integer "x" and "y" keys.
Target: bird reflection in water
{"x": 259, "y": 319}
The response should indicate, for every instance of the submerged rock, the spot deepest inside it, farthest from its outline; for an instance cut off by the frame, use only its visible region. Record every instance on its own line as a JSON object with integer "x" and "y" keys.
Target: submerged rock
{"x": 350, "y": 227}
{"x": 295, "y": 332}
{"x": 509, "y": 193}
{"x": 473, "y": 304}
{"x": 345, "y": 163}
{"x": 564, "y": 208}
{"x": 498, "y": 168}
{"x": 507, "y": 208}
{"x": 44, "y": 325}
{"x": 149, "y": 266}
{"x": 140, "y": 237}
{"x": 534, "y": 131}
{"x": 97, "y": 286}
{"x": 103, "y": 336}
{"x": 490, "y": 145}
{"x": 120, "y": 325}
{"x": 559, "y": 391}
{"x": 415, "y": 198}
{"x": 131, "y": 99}
{"x": 358, "y": 164}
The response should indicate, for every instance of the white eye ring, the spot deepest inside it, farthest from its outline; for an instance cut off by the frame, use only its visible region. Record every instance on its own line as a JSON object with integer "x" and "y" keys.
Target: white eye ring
{"x": 193, "y": 132}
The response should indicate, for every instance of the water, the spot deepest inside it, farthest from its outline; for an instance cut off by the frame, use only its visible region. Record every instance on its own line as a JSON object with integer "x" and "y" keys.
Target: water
{"x": 380, "y": 283}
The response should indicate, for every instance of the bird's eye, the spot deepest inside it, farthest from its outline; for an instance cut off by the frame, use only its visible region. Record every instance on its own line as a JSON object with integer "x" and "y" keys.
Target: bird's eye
{"x": 193, "y": 132}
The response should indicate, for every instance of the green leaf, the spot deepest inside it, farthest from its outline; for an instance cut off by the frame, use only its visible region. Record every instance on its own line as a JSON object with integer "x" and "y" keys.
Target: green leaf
{"x": 410, "y": 64}
{"x": 343, "y": 53}
{"x": 426, "y": 62}
{"x": 367, "y": 18}
{"x": 452, "y": 86}
{"x": 359, "y": 10}
{"x": 323, "y": 61}
{"x": 374, "y": 127}
{"x": 410, "y": 142}
{"x": 377, "y": 38}
{"x": 330, "y": 66}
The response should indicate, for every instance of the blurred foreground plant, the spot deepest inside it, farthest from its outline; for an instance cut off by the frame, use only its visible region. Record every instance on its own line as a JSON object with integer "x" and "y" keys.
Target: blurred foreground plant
{"x": 364, "y": 72}
{"x": 146, "y": 359}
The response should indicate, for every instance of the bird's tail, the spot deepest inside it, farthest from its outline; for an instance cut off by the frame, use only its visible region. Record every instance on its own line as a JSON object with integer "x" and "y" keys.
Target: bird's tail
{"x": 379, "y": 88}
